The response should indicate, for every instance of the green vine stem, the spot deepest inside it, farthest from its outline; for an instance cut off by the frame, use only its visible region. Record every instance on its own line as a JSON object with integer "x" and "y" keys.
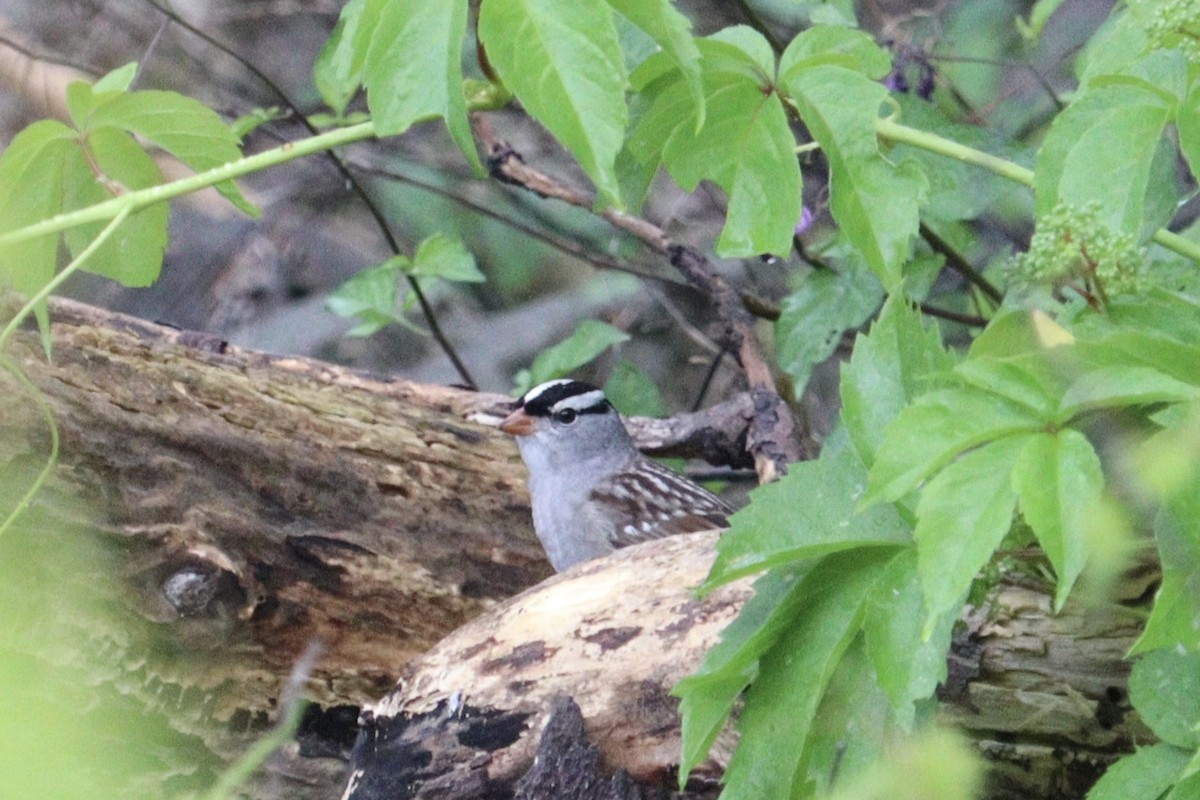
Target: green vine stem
{"x": 9, "y": 365}
{"x": 893, "y": 131}
{"x": 202, "y": 180}
{"x": 51, "y": 461}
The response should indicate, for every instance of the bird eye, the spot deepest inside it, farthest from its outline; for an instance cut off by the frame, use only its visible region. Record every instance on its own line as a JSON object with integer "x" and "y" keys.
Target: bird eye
{"x": 566, "y": 416}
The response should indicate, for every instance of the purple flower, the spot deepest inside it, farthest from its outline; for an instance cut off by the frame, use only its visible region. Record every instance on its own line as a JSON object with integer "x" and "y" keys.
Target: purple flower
{"x": 806, "y": 220}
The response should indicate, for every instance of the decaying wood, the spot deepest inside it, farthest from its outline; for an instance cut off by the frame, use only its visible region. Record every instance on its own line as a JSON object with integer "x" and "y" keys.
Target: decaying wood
{"x": 254, "y": 504}
{"x": 258, "y": 503}
{"x": 614, "y": 635}
{"x": 1042, "y": 694}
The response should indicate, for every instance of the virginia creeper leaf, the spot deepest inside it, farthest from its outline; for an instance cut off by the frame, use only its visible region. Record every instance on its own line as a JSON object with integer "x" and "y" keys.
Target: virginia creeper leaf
{"x": 963, "y": 513}
{"x": 338, "y": 70}
{"x": 1144, "y": 775}
{"x": 589, "y": 340}
{"x": 413, "y": 69}
{"x": 813, "y": 318}
{"x": 809, "y": 512}
{"x": 889, "y": 367}
{"x": 908, "y": 666}
{"x": 928, "y": 434}
{"x": 793, "y": 675}
{"x": 1059, "y": 481}
{"x": 1164, "y": 686}
{"x": 1112, "y": 387}
{"x": 672, "y": 31}
{"x": 708, "y": 696}
{"x": 873, "y": 200}
{"x": 371, "y": 296}
{"x": 830, "y": 44}
{"x": 1100, "y": 149}
{"x": 133, "y": 252}
{"x": 31, "y": 187}
{"x": 564, "y": 63}
{"x": 1175, "y": 619}
{"x": 440, "y": 256}
{"x": 185, "y": 128}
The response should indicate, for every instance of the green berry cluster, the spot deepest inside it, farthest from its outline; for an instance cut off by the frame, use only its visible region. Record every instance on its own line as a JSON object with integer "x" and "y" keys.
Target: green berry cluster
{"x": 1072, "y": 250}
{"x": 1176, "y": 24}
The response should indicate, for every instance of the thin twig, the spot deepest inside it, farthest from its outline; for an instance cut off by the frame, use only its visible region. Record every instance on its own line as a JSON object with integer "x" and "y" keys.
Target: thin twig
{"x": 426, "y": 310}
{"x": 709, "y": 374}
{"x": 564, "y": 245}
{"x": 773, "y": 437}
{"x": 956, "y": 262}
{"x": 953, "y": 316}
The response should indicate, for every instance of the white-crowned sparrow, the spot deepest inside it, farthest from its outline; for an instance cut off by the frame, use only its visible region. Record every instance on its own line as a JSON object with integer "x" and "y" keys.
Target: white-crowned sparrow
{"x": 592, "y": 491}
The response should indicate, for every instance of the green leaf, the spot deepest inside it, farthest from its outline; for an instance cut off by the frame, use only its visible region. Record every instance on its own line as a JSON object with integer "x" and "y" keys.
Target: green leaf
{"x": 1175, "y": 619}
{"x": 873, "y": 200}
{"x": 1058, "y": 480}
{"x": 846, "y": 47}
{"x": 751, "y": 49}
{"x": 1028, "y": 380}
{"x": 708, "y": 696}
{"x": 440, "y": 256}
{"x": 781, "y": 704}
{"x": 1164, "y": 687}
{"x": 1119, "y": 41}
{"x": 909, "y": 667}
{"x": 745, "y": 145}
{"x": 808, "y": 513}
{"x": 118, "y": 80}
{"x": 963, "y": 514}
{"x": 1100, "y": 149}
{"x": 852, "y": 728}
{"x": 672, "y": 31}
{"x": 747, "y": 148}
{"x": 1145, "y": 775}
{"x": 1113, "y": 387}
{"x": 957, "y": 190}
{"x": 413, "y": 68}
{"x": 133, "y": 254}
{"x": 185, "y": 128}
{"x": 633, "y": 392}
{"x": 1159, "y": 330}
{"x": 338, "y": 70}
{"x": 1187, "y": 123}
{"x": 936, "y": 764}
{"x": 889, "y": 367}
{"x": 371, "y": 296}
{"x": 589, "y": 340}
{"x": 1039, "y": 15}
{"x": 564, "y": 63}
{"x": 31, "y": 189}
{"x": 813, "y": 317}
{"x": 927, "y": 435}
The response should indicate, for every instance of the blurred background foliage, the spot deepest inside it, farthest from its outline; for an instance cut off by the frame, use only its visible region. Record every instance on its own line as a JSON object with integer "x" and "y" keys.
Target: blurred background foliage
{"x": 263, "y": 283}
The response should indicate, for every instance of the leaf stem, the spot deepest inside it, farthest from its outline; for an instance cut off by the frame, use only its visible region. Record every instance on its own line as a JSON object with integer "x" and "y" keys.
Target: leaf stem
{"x": 141, "y": 198}
{"x": 27, "y": 309}
{"x": 902, "y": 134}
{"x": 12, "y": 326}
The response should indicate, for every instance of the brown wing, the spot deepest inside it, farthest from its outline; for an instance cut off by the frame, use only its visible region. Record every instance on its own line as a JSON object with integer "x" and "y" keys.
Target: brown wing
{"x": 636, "y": 502}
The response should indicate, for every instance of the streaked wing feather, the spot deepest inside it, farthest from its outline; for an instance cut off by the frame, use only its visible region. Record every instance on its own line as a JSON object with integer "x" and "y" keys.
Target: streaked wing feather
{"x": 627, "y": 499}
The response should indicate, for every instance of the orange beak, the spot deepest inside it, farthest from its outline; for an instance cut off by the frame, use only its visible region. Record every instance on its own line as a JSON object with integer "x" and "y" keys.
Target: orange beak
{"x": 518, "y": 423}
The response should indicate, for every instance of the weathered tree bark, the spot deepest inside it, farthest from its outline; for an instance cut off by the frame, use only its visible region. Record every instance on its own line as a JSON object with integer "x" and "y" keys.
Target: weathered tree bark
{"x": 255, "y": 504}
{"x": 1043, "y": 695}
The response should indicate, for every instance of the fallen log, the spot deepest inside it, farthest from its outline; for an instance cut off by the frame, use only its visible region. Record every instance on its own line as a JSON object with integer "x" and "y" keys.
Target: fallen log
{"x": 250, "y": 504}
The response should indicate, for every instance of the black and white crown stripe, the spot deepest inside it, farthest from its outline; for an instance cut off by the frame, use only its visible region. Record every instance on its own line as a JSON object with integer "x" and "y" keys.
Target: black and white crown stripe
{"x": 553, "y": 396}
